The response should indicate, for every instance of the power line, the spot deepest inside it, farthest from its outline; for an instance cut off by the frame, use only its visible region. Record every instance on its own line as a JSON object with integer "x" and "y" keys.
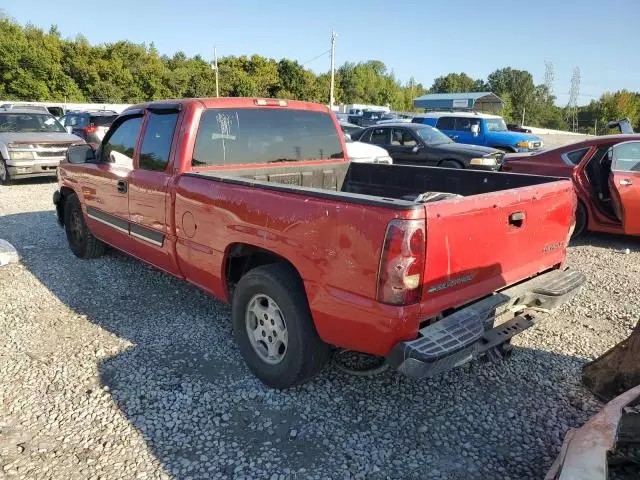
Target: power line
{"x": 317, "y": 57}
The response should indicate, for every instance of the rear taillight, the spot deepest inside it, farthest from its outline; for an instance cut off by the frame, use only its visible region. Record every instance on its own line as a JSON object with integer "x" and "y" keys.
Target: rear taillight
{"x": 90, "y": 129}
{"x": 402, "y": 263}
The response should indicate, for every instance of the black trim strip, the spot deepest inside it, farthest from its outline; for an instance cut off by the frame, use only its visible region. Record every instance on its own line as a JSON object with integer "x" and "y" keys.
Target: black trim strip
{"x": 146, "y": 234}
{"x": 108, "y": 219}
{"x": 133, "y": 229}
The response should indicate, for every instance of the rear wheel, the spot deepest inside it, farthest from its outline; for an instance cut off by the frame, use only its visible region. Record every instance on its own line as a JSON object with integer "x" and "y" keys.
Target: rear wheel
{"x": 5, "y": 176}
{"x": 581, "y": 220}
{"x": 81, "y": 241}
{"x": 273, "y": 328}
{"x": 450, "y": 164}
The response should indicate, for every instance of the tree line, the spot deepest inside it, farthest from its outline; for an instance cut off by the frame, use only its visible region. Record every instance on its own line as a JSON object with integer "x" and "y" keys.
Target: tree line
{"x": 38, "y": 65}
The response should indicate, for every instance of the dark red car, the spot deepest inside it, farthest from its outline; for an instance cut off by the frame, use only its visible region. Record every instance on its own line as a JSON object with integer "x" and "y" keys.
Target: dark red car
{"x": 606, "y": 174}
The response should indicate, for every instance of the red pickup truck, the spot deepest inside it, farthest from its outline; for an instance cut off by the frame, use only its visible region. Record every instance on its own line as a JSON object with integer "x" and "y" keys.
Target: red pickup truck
{"x": 255, "y": 202}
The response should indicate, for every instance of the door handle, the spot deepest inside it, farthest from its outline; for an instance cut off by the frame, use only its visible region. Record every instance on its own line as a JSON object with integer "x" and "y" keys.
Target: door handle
{"x": 122, "y": 186}
{"x": 626, "y": 182}
{"x": 516, "y": 219}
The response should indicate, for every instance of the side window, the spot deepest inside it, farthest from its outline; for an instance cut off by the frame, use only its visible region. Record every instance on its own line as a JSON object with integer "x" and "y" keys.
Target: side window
{"x": 446, "y": 123}
{"x": 463, "y": 124}
{"x": 121, "y": 143}
{"x": 402, "y": 138}
{"x": 379, "y": 136}
{"x": 626, "y": 157}
{"x": 156, "y": 143}
{"x": 365, "y": 137}
{"x": 576, "y": 156}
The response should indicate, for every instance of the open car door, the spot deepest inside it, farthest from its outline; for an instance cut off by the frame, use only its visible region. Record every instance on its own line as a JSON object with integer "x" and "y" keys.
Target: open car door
{"x": 624, "y": 183}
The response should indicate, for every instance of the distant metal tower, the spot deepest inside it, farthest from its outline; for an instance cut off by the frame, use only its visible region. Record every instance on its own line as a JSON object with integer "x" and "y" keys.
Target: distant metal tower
{"x": 549, "y": 76}
{"x": 572, "y": 106}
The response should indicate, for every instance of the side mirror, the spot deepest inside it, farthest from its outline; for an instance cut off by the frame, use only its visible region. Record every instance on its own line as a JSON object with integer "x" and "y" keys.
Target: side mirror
{"x": 69, "y": 129}
{"x": 475, "y": 129}
{"x": 415, "y": 149}
{"x": 347, "y": 137}
{"x": 80, "y": 154}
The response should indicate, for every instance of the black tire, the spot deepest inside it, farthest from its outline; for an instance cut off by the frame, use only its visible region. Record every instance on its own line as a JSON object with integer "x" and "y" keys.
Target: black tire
{"x": 81, "y": 241}
{"x": 581, "y": 221}
{"x": 5, "y": 176}
{"x": 305, "y": 353}
{"x": 450, "y": 164}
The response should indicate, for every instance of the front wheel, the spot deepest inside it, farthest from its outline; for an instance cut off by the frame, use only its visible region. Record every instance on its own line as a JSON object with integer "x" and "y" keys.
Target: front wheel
{"x": 450, "y": 164}
{"x": 81, "y": 241}
{"x": 5, "y": 176}
{"x": 273, "y": 328}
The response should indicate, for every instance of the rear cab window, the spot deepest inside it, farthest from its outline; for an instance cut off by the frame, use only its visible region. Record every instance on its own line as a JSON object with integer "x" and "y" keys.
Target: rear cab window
{"x": 246, "y": 136}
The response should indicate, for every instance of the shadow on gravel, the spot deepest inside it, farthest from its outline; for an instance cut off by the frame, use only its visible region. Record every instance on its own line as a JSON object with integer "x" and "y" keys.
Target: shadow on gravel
{"x": 184, "y": 386}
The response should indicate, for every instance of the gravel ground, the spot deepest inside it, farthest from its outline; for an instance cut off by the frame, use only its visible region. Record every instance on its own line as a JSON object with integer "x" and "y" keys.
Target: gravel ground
{"x": 111, "y": 369}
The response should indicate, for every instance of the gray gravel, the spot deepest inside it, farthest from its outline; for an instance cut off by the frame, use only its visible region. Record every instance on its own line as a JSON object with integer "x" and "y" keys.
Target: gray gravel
{"x": 111, "y": 369}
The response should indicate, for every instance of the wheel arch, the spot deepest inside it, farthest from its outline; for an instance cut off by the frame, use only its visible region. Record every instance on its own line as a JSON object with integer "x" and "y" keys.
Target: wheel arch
{"x": 451, "y": 159}
{"x": 240, "y": 258}
{"x": 504, "y": 148}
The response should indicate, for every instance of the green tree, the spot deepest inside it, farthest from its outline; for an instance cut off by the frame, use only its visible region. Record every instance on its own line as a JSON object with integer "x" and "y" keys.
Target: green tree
{"x": 453, "y": 83}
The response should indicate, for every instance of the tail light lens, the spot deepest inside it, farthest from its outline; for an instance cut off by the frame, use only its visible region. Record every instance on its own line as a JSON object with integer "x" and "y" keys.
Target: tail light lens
{"x": 90, "y": 129}
{"x": 402, "y": 263}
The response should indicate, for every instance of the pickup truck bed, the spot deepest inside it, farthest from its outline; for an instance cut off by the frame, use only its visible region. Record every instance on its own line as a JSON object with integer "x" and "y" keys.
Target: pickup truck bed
{"x": 359, "y": 256}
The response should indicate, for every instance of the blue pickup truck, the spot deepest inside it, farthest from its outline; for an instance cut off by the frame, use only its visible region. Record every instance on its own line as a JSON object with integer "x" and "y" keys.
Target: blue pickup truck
{"x": 480, "y": 129}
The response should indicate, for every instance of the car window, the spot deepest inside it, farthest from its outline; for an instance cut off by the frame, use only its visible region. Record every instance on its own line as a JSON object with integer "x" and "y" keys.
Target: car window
{"x": 432, "y": 136}
{"x": 496, "y": 125}
{"x": 626, "y": 157}
{"x": 576, "y": 156}
{"x": 463, "y": 124}
{"x": 121, "y": 142}
{"x": 29, "y": 122}
{"x": 156, "y": 143}
{"x": 402, "y": 138}
{"x": 379, "y": 136}
{"x": 258, "y": 135}
{"x": 102, "y": 120}
{"x": 79, "y": 121}
{"x": 446, "y": 123}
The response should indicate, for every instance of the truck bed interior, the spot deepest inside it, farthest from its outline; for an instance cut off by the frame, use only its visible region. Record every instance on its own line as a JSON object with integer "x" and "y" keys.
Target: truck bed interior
{"x": 391, "y": 185}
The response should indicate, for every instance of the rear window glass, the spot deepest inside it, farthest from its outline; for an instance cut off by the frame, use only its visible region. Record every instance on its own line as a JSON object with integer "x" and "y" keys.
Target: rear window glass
{"x": 260, "y": 135}
{"x": 103, "y": 120}
{"x": 577, "y": 155}
{"x": 446, "y": 123}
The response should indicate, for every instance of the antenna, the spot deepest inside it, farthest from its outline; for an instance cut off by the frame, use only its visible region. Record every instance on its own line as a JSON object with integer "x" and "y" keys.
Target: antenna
{"x": 549, "y": 77}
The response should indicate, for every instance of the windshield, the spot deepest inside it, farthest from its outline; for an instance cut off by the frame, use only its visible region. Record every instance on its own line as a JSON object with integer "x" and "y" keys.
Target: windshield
{"x": 432, "y": 136}
{"x": 496, "y": 125}
{"x": 29, "y": 122}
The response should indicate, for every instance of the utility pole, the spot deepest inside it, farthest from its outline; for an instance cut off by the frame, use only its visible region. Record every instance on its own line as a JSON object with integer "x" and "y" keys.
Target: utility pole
{"x": 523, "y": 110}
{"x": 333, "y": 68}
{"x": 215, "y": 69}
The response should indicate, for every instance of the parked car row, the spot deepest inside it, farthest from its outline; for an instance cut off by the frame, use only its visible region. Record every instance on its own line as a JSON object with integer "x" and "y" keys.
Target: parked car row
{"x": 33, "y": 142}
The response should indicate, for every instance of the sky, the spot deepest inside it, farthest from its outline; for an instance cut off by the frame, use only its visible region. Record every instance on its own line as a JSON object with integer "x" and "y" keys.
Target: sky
{"x": 423, "y": 39}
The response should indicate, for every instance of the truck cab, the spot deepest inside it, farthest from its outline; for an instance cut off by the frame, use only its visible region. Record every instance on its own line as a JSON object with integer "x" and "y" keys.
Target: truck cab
{"x": 480, "y": 129}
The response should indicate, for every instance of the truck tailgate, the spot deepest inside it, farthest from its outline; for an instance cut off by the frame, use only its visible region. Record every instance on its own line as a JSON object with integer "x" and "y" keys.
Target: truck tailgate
{"x": 481, "y": 243}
